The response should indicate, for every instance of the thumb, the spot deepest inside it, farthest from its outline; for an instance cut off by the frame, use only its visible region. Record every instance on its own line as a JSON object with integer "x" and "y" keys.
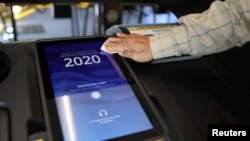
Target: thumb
{"x": 134, "y": 56}
{"x": 127, "y": 54}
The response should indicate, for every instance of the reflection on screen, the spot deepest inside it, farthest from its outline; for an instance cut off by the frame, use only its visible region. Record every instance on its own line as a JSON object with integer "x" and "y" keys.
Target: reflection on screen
{"x": 94, "y": 100}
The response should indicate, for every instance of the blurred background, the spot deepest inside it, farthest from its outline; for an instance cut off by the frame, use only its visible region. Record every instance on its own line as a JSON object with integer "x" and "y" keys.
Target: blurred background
{"x": 25, "y": 21}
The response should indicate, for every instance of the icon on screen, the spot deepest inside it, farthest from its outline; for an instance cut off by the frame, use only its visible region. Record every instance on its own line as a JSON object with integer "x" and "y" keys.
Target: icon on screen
{"x": 103, "y": 113}
{"x": 96, "y": 95}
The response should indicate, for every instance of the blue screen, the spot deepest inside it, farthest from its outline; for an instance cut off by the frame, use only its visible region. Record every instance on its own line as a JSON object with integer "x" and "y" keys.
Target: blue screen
{"x": 93, "y": 98}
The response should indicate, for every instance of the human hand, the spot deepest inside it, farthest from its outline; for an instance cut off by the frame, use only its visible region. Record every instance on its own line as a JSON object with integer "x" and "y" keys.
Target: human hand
{"x": 133, "y": 46}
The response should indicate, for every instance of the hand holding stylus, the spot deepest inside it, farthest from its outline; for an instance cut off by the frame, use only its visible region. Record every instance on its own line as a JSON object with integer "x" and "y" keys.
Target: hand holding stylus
{"x": 133, "y": 46}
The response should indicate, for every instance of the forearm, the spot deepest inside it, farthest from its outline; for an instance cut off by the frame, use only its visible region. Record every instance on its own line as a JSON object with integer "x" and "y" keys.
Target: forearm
{"x": 221, "y": 27}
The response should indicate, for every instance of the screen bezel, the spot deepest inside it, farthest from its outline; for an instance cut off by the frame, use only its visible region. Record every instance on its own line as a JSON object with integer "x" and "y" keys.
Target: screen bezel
{"x": 49, "y": 105}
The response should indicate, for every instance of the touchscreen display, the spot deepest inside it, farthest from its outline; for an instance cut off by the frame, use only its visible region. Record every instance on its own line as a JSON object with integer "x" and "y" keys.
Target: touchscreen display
{"x": 93, "y": 98}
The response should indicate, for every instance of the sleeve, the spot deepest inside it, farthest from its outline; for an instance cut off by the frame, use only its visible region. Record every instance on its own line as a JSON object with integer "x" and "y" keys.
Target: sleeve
{"x": 221, "y": 27}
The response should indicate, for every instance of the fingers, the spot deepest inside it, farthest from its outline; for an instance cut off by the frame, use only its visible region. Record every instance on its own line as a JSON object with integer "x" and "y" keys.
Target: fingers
{"x": 114, "y": 45}
{"x": 133, "y": 46}
{"x": 113, "y": 40}
{"x": 121, "y": 35}
{"x": 117, "y": 44}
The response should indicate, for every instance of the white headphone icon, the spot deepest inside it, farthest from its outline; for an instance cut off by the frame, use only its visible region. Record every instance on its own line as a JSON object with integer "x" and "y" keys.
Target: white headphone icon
{"x": 103, "y": 113}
